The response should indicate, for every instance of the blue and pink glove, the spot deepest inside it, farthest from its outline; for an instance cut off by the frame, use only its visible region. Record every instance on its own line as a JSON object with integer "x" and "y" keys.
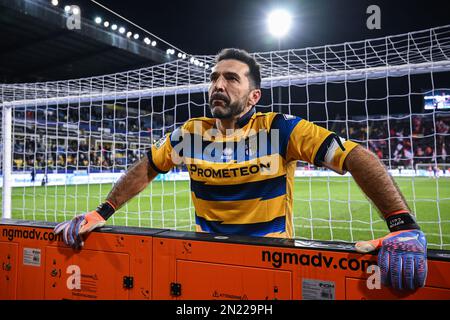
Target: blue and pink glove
{"x": 74, "y": 231}
{"x": 403, "y": 253}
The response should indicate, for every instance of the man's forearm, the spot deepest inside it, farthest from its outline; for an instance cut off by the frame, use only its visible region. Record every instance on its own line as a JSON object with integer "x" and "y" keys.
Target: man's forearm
{"x": 372, "y": 177}
{"x": 136, "y": 179}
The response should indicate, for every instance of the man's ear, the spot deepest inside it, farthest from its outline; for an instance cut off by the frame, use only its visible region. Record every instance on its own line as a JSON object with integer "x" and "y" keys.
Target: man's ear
{"x": 254, "y": 96}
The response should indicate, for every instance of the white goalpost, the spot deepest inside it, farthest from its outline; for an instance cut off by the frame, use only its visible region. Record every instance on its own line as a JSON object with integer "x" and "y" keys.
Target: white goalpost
{"x": 65, "y": 143}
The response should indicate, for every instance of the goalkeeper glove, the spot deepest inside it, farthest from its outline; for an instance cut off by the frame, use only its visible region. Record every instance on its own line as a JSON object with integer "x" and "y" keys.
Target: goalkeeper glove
{"x": 74, "y": 230}
{"x": 403, "y": 255}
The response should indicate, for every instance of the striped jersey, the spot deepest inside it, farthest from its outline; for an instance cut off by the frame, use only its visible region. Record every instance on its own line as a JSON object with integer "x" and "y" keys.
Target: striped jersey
{"x": 242, "y": 182}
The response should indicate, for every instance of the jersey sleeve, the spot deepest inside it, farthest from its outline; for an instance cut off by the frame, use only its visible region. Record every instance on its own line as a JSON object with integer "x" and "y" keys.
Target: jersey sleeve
{"x": 162, "y": 156}
{"x": 314, "y": 144}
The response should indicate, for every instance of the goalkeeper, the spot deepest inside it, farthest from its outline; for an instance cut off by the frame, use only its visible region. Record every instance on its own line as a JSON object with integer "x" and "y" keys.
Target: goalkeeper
{"x": 241, "y": 165}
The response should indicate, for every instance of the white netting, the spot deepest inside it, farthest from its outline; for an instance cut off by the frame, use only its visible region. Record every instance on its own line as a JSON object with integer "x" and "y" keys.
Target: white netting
{"x": 79, "y": 135}
{"x": 415, "y": 52}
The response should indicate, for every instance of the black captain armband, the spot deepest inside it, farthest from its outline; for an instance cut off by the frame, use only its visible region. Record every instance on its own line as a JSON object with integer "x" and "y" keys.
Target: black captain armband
{"x": 106, "y": 210}
{"x": 327, "y": 150}
{"x": 401, "y": 220}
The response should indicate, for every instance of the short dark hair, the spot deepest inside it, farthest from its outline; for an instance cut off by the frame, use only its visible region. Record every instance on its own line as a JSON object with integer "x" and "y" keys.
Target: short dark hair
{"x": 254, "y": 73}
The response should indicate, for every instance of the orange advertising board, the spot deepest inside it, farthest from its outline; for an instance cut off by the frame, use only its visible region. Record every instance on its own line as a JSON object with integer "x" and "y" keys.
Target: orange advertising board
{"x": 124, "y": 263}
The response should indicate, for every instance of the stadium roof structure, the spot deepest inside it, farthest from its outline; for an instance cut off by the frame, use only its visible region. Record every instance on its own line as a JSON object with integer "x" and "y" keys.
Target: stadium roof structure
{"x": 37, "y": 45}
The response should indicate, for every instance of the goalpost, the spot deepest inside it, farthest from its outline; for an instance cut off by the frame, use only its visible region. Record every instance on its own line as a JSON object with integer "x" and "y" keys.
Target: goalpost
{"x": 65, "y": 143}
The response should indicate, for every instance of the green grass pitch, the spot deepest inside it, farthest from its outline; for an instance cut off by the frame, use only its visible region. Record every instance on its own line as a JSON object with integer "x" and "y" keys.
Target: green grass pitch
{"x": 338, "y": 210}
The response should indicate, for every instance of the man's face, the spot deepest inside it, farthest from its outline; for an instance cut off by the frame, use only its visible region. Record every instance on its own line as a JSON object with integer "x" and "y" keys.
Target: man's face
{"x": 229, "y": 89}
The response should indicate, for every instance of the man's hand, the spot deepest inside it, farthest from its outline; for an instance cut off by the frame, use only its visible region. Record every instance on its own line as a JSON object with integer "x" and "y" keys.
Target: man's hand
{"x": 73, "y": 230}
{"x": 402, "y": 258}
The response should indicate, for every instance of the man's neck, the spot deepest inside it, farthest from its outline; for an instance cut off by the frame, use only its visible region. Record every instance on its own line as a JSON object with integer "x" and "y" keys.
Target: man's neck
{"x": 230, "y": 124}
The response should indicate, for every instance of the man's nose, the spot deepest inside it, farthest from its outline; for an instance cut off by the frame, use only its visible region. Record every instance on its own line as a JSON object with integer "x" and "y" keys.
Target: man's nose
{"x": 219, "y": 84}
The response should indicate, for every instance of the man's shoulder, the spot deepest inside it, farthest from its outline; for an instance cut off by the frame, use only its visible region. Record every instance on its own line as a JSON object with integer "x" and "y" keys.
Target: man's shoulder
{"x": 203, "y": 120}
{"x": 275, "y": 119}
{"x": 272, "y": 115}
{"x": 264, "y": 119}
{"x": 269, "y": 114}
{"x": 197, "y": 123}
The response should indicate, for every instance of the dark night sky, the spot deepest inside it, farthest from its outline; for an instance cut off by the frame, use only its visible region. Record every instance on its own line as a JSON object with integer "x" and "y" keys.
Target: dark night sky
{"x": 204, "y": 27}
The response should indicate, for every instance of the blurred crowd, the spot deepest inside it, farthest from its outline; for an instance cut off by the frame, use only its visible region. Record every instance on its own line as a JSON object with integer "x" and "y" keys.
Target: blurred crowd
{"x": 73, "y": 156}
{"x": 402, "y": 141}
{"x": 111, "y": 118}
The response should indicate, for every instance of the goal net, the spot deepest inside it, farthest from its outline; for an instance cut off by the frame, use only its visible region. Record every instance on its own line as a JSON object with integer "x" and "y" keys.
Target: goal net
{"x": 65, "y": 143}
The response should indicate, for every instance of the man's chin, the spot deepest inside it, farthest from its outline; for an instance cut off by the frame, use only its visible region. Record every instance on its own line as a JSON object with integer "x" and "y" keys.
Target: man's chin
{"x": 219, "y": 113}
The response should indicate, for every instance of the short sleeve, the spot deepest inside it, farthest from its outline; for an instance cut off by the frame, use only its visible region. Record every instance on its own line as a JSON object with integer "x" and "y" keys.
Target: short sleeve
{"x": 164, "y": 154}
{"x": 160, "y": 155}
{"x": 315, "y": 144}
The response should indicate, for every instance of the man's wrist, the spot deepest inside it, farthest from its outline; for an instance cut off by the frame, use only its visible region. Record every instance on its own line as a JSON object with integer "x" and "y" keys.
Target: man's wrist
{"x": 401, "y": 220}
{"x": 106, "y": 209}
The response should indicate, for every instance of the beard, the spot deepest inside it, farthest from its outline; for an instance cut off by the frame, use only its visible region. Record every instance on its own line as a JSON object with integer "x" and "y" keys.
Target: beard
{"x": 228, "y": 109}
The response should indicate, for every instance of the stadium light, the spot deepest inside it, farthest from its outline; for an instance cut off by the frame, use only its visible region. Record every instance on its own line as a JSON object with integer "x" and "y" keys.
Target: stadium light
{"x": 179, "y": 55}
{"x": 122, "y": 30}
{"x": 279, "y": 22}
{"x": 136, "y": 36}
{"x": 153, "y": 43}
{"x": 98, "y": 20}
{"x": 67, "y": 9}
{"x": 76, "y": 10}
{"x": 114, "y": 27}
{"x": 184, "y": 56}
{"x": 147, "y": 41}
{"x": 106, "y": 24}
{"x": 55, "y": 2}
{"x": 129, "y": 34}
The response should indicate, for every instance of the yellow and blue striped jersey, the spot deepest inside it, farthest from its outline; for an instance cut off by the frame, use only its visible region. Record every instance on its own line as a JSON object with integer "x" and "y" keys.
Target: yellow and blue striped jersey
{"x": 242, "y": 182}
